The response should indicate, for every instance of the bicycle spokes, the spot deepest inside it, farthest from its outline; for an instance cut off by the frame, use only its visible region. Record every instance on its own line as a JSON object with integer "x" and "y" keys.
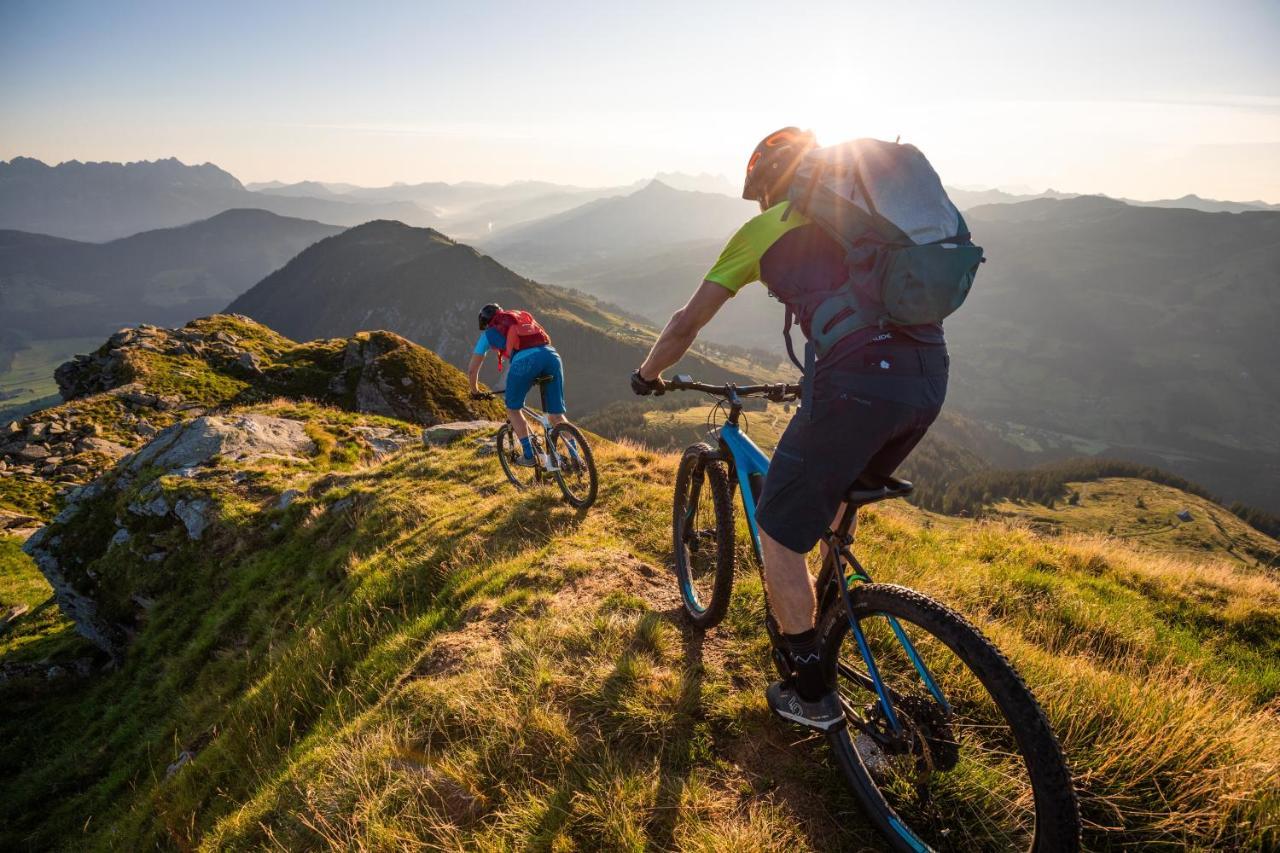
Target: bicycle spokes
{"x": 948, "y": 768}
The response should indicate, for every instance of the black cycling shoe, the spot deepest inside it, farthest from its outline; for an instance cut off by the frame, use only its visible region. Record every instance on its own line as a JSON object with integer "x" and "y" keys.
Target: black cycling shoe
{"x": 823, "y": 715}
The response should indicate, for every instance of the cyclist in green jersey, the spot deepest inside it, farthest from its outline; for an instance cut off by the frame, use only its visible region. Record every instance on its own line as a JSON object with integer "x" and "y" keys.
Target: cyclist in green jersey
{"x": 872, "y": 397}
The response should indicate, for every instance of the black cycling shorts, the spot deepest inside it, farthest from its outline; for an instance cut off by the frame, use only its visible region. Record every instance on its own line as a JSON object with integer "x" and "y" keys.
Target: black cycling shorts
{"x": 868, "y": 410}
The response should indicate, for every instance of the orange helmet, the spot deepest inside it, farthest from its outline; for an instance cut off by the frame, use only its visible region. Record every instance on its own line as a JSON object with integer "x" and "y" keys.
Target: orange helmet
{"x": 774, "y": 162}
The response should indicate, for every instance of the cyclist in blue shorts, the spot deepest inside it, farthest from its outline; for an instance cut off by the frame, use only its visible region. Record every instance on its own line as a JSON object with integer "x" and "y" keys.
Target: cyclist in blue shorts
{"x": 518, "y": 338}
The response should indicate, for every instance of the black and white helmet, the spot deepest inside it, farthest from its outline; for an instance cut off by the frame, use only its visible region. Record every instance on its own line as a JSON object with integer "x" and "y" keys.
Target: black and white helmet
{"x": 486, "y": 314}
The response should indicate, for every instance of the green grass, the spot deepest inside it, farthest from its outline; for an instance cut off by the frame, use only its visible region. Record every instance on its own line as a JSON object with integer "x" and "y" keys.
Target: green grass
{"x": 449, "y": 663}
{"x": 31, "y": 374}
{"x": 1146, "y": 515}
{"x": 42, "y": 633}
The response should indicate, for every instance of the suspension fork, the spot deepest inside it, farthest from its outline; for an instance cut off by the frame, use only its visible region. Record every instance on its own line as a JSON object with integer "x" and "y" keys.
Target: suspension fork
{"x": 695, "y": 492}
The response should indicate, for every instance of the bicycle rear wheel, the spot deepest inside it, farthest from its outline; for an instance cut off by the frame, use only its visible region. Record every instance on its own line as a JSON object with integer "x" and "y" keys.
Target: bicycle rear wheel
{"x": 509, "y": 453}
{"x": 973, "y": 764}
{"x": 577, "y": 472}
{"x": 702, "y": 535}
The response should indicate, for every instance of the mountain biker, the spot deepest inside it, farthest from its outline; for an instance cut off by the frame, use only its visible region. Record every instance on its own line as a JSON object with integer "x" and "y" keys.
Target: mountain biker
{"x": 867, "y": 404}
{"x": 529, "y": 363}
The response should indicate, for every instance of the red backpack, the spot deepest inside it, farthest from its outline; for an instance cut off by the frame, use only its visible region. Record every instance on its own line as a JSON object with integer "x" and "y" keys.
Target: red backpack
{"x": 521, "y": 331}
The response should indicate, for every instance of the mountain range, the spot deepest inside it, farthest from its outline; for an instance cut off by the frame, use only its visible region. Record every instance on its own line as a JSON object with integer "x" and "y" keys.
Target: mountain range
{"x": 52, "y": 287}
{"x": 423, "y": 285}
{"x": 1097, "y": 325}
{"x": 649, "y": 220}
{"x": 105, "y": 201}
{"x": 57, "y": 296}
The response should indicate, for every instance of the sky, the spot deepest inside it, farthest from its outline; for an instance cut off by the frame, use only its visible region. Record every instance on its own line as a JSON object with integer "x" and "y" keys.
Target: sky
{"x": 1138, "y": 99}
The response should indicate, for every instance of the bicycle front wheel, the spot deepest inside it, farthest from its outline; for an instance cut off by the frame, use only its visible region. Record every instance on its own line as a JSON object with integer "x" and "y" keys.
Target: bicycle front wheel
{"x": 509, "y": 453}
{"x": 702, "y": 534}
{"x": 966, "y": 761}
{"x": 576, "y": 473}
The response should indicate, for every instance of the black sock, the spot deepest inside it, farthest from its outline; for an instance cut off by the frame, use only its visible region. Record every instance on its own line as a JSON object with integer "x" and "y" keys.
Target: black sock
{"x": 806, "y": 660}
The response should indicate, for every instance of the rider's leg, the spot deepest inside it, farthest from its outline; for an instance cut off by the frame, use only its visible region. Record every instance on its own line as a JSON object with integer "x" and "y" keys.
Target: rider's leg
{"x": 519, "y": 425}
{"x": 790, "y": 589}
{"x": 520, "y": 376}
{"x": 553, "y": 391}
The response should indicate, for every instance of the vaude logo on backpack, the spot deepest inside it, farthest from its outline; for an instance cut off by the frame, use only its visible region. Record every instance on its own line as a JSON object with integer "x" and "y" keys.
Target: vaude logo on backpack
{"x": 910, "y": 256}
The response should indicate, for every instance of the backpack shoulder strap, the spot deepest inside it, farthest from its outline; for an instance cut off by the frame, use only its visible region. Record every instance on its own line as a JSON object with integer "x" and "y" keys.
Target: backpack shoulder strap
{"x": 787, "y": 323}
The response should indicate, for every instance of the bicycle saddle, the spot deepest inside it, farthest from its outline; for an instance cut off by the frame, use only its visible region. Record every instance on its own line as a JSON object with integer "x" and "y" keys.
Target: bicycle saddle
{"x": 870, "y": 488}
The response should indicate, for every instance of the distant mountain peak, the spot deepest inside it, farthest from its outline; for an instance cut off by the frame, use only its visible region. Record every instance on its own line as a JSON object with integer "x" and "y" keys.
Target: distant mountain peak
{"x": 396, "y": 228}
{"x": 657, "y": 186}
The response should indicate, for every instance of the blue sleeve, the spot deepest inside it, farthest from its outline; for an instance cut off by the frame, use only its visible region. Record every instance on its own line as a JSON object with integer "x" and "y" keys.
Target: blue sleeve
{"x": 482, "y": 344}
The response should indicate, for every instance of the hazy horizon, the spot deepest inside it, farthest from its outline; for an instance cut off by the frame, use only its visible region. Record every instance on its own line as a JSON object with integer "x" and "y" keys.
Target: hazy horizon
{"x": 1149, "y": 101}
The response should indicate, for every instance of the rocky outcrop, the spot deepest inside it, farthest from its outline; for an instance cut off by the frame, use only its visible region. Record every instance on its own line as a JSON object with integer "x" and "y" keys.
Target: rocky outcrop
{"x": 119, "y": 361}
{"x": 233, "y": 438}
{"x": 68, "y": 556}
{"x": 442, "y": 434}
{"x": 385, "y": 374}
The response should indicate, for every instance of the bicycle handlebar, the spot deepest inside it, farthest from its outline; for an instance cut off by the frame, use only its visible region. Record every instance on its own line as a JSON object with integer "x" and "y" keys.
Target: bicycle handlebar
{"x": 778, "y": 392}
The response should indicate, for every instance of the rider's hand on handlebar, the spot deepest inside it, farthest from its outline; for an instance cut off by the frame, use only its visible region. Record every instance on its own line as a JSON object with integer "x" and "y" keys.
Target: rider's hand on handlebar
{"x": 645, "y": 387}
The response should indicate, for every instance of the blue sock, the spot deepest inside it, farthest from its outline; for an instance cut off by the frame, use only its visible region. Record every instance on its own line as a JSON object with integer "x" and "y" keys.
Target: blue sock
{"x": 527, "y": 444}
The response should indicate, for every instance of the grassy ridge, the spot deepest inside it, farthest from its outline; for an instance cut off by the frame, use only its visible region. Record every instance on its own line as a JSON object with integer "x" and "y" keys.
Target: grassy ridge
{"x": 412, "y": 653}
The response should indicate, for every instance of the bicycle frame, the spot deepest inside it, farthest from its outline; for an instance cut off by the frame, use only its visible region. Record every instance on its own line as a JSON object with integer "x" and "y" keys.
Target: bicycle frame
{"x": 747, "y": 462}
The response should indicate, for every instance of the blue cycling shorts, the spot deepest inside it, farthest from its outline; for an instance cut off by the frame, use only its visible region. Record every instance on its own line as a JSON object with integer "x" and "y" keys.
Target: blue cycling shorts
{"x": 526, "y": 367}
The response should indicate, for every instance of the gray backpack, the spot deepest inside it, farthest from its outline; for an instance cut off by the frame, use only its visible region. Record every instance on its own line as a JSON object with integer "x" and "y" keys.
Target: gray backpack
{"x": 911, "y": 260}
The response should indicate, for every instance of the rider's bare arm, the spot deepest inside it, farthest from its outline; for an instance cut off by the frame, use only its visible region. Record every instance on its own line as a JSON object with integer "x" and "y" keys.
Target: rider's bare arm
{"x": 473, "y": 371}
{"x": 683, "y": 327}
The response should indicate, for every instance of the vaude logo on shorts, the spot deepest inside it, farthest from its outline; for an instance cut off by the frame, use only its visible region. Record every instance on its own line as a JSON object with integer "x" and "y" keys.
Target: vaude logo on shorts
{"x": 887, "y": 336}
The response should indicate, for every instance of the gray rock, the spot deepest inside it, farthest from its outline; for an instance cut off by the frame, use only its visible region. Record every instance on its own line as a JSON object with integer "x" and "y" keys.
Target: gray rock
{"x": 150, "y": 501}
{"x": 32, "y": 452}
{"x": 237, "y": 438}
{"x": 121, "y": 536}
{"x": 92, "y": 444}
{"x": 194, "y": 514}
{"x": 384, "y": 440}
{"x": 287, "y": 497}
{"x": 12, "y": 520}
{"x": 157, "y": 557}
{"x": 250, "y": 363}
{"x": 68, "y": 512}
{"x": 87, "y": 492}
{"x": 121, "y": 338}
{"x": 81, "y": 609}
{"x": 443, "y": 434}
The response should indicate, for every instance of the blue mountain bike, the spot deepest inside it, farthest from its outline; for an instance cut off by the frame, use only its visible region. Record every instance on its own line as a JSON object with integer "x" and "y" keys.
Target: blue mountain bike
{"x": 943, "y": 744}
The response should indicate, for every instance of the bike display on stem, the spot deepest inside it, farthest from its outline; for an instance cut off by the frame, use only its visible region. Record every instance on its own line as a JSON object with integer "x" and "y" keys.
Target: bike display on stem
{"x": 941, "y": 735}
{"x": 561, "y": 454}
